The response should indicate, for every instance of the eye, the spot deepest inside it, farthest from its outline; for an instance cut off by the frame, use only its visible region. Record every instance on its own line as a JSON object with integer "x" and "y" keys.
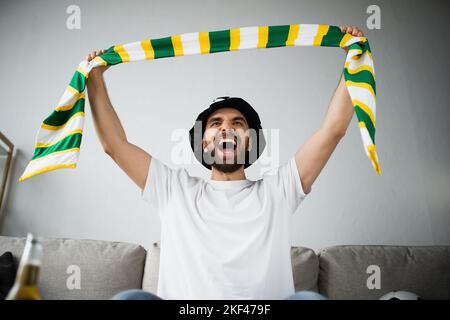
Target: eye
{"x": 213, "y": 123}
{"x": 238, "y": 122}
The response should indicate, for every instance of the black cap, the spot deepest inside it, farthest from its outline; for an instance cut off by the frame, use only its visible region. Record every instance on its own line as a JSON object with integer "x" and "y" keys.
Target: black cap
{"x": 250, "y": 115}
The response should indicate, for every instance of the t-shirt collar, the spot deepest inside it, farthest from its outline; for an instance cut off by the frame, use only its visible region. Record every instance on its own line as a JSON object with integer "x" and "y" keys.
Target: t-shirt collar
{"x": 229, "y": 184}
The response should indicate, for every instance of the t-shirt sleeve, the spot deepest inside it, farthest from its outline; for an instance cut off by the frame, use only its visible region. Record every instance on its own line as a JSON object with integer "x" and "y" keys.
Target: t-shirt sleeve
{"x": 158, "y": 187}
{"x": 286, "y": 180}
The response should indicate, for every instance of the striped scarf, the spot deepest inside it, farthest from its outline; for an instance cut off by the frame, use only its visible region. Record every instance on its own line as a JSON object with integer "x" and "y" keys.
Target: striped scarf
{"x": 58, "y": 140}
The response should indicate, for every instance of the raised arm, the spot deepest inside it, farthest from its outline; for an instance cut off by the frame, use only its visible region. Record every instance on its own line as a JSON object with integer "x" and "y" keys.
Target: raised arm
{"x": 131, "y": 159}
{"x": 314, "y": 154}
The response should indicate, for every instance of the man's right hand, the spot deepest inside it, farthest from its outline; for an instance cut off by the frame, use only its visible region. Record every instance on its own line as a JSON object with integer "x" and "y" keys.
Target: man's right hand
{"x": 97, "y": 70}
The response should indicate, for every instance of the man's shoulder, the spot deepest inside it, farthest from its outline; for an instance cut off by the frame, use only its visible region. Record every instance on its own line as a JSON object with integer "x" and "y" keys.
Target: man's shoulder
{"x": 181, "y": 173}
{"x": 275, "y": 170}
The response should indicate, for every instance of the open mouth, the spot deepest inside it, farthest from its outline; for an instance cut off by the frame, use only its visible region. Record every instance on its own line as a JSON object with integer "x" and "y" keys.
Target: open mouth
{"x": 227, "y": 146}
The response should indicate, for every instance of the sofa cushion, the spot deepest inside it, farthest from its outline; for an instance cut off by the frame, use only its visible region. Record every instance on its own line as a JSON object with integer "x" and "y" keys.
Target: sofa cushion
{"x": 151, "y": 269}
{"x": 104, "y": 267}
{"x": 422, "y": 270}
{"x": 305, "y": 266}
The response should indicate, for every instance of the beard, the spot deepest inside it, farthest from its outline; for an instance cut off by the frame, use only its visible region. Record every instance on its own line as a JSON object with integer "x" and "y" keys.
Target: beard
{"x": 226, "y": 167}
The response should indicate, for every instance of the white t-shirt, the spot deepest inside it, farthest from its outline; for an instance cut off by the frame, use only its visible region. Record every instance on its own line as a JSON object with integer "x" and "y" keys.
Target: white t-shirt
{"x": 224, "y": 239}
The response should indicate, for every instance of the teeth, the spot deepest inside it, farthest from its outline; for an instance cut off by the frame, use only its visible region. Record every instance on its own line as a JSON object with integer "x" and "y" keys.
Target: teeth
{"x": 227, "y": 144}
{"x": 227, "y": 140}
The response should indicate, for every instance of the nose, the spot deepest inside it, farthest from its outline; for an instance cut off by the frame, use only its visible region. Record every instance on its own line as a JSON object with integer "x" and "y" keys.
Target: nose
{"x": 226, "y": 125}
{"x": 227, "y": 131}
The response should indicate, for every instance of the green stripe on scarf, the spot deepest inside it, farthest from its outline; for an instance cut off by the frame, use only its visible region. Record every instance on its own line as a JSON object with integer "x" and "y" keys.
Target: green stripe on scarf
{"x": 69, "y": 142}
{"x": 58, "y": 118}
{"x": 163, "y": 47}
{"x": 363, "y": 76}
{"x": 78, "y": 82}
{"x": 219, "y": 41}
{"x": 277, "y": 36}
{"x": 111, "y": 57}
{"x": 364, "y": 117}
{"x": 332, "y": 38}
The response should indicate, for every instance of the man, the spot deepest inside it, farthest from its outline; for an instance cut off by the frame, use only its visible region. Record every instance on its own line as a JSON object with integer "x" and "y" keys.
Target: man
{"x": 228, "y": 237}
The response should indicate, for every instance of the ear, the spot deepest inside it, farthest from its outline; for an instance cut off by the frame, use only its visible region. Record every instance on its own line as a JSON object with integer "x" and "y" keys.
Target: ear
{"x": 205, "y": 149}
{"x": 249, "y": 144}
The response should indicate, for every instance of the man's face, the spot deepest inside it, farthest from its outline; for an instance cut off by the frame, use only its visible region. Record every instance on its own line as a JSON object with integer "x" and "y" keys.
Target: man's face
{"x": 226, "y": 138}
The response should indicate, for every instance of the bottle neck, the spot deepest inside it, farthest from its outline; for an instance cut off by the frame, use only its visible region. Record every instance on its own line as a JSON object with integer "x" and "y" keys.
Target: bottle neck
{"x": 30, "y": 263}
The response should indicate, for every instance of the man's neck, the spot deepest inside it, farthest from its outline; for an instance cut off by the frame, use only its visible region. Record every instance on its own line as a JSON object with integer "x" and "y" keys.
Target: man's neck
{"x": 222, "y": 176}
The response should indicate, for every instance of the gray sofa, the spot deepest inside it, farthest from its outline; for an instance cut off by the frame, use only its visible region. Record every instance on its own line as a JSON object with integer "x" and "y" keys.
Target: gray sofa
{"x": 105, "y": 268}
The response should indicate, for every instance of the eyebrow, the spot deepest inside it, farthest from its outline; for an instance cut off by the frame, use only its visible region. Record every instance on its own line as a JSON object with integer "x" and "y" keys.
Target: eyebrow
{"x": 214, "y": 119}
{"x": 240, "y": 118}
{"x": 218, "y": 118}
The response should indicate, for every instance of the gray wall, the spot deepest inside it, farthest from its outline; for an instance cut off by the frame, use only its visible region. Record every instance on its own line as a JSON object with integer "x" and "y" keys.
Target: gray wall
{"x": 290, "y": 87}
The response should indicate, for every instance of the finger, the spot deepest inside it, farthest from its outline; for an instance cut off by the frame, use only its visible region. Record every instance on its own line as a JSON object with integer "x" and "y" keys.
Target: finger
{"x": 91, "y": 55}
{"x": 349, "y": 29}
{"x": 343, "y": 28}
{"x": 355, "y": 31}
{"x": 360, "y": 34}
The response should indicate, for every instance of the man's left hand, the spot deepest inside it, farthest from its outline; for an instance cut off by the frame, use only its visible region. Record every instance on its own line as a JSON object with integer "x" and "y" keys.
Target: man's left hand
{"x": 354, "y": 31}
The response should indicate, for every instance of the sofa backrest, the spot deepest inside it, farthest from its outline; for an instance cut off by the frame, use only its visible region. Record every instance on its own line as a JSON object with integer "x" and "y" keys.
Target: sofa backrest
{"x": 305, "y": 267}
{"x": 104, "y": 267}
{"x": 345, "y": 271}
{"x": 340, "y": 272}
